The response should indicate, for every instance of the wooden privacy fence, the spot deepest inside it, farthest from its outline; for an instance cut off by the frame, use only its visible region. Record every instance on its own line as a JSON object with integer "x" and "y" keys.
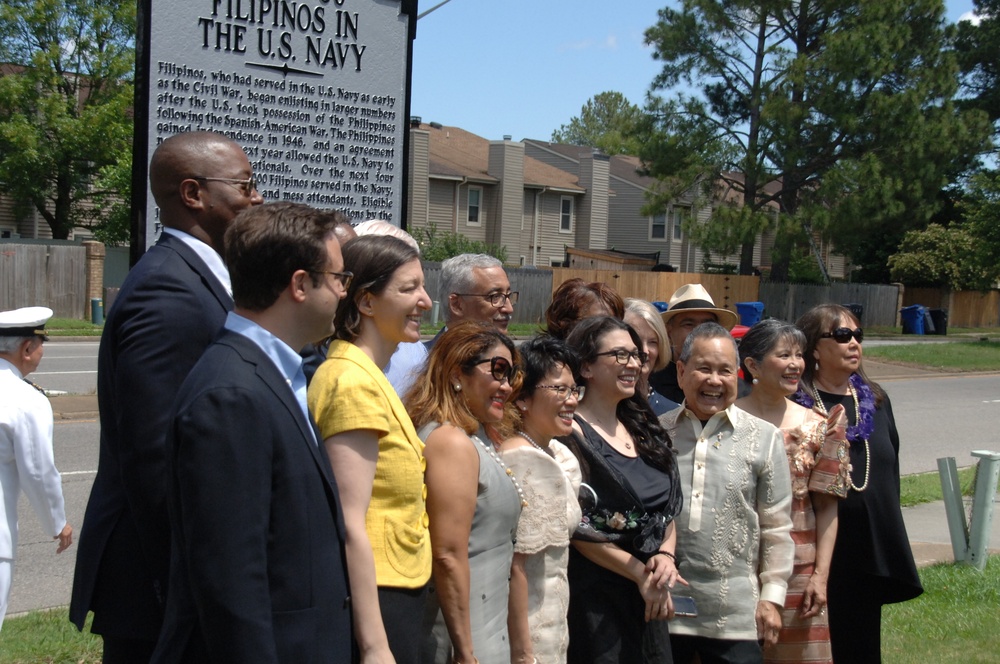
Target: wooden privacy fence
{"x": 880, "y": 304}
{"x": 965, "y": 308}
{"x": 725, "y": 289}
{"x": 536, "y": 286}
{"x": 48, "y": 275}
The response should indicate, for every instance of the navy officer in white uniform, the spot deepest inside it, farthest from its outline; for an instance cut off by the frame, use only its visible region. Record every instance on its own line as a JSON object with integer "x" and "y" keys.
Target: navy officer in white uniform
{"x": 26, "y": 459}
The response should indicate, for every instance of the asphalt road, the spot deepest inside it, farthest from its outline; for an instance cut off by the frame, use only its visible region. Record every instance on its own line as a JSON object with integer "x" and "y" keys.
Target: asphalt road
{"x": 937, "y": 416}
{"x": 68, "y": 366}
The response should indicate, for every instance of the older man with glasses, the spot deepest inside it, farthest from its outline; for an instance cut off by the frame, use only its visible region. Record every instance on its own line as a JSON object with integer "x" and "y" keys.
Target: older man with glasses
{"x": 170, "y": 308}
{"x": 475, "y": 287}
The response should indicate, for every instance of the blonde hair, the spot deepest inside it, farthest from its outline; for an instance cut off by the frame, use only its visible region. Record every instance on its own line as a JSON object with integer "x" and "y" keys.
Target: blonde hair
{"x": 651, "y": 315}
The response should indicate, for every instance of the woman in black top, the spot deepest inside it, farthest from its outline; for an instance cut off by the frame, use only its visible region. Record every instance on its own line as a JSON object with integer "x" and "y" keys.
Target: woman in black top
{"x": 622, "y": 564}
{"x": 872, "y": 562}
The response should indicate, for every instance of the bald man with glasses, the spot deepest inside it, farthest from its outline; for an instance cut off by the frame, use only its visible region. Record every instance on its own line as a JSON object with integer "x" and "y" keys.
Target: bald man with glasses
{"x": 170, "y": 308}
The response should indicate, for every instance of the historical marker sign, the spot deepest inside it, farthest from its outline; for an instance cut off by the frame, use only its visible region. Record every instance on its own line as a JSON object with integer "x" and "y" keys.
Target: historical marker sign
{"x": 316, "y": 92}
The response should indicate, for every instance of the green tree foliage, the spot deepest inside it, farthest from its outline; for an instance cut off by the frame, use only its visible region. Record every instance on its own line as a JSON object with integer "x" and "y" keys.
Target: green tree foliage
{"x": 606, "y": 122}
{"x": 937, "y": 256}
{"x": 436, "y": 245}
{"x": 65, "y": 105}
{"x": 982, "y": 217}
{"x": 978, "y": 50}
{"x": 840, "y": 113}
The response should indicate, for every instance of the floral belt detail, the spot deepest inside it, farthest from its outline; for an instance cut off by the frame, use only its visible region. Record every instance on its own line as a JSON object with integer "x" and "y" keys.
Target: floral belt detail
{"x": 641, "y": 530}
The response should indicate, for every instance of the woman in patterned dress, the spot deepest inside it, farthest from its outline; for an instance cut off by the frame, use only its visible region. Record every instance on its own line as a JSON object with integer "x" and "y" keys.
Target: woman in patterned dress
{"x": 771, "y": 354}
{"x": 550, "y": 477}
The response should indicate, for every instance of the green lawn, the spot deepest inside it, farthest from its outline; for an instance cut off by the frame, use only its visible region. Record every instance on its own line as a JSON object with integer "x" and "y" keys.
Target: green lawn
{"x": 954, "y": 621}
{"x": 956, "y": 356}
{"x": 70, "y": 327}
{"x": 926, "y": 487}
{"x": 47, "y": 637}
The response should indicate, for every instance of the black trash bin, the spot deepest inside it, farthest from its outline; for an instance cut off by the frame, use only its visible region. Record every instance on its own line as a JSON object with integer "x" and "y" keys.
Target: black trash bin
{"x": 940, "y": 318}
{"x": 857, "y": 310}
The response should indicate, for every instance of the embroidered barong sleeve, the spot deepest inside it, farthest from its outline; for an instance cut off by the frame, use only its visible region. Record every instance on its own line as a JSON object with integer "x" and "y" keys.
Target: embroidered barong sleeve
{"x": 774, "y": 504}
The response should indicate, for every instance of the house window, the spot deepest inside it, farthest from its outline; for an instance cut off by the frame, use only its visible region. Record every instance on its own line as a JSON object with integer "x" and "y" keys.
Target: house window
{"x": 566, "y": 215}
{"x": 680, "y": 216}
{"x": 475, "y": 202}
{"x": 658, "y": 227}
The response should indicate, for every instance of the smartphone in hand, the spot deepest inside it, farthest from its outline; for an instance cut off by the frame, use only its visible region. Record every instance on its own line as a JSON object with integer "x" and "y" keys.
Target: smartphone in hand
{"x": 684, "y": 606}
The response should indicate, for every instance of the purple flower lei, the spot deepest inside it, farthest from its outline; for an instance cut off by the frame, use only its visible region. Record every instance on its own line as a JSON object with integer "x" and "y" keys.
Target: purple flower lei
{"x": 860, "y": 430}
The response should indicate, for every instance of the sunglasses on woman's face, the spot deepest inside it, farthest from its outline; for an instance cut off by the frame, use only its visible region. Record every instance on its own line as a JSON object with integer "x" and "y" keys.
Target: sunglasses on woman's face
{"x": 500, "y": 368}
{"x": 842, "y": 335}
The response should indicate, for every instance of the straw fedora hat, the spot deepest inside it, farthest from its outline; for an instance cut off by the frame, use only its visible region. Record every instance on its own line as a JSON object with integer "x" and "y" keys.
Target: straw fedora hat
{"x": 694, "y": 297}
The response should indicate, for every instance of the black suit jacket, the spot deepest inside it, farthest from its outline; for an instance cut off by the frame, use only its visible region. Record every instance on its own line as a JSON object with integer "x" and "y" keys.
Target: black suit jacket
{"x": 168, "y": 311}
{"x": 257, "y": 568}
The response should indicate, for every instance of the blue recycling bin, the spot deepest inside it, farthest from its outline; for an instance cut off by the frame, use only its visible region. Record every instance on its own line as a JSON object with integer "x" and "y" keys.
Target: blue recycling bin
{"x": 913, "y": 318}
{"x": 750, "y": 312}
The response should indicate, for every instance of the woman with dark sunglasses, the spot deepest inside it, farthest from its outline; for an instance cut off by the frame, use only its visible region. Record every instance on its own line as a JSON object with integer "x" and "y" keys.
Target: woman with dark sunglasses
{"x": 622, "y": 565}
{"x": 872, "y": 562}
{"x": 458, "y": 405}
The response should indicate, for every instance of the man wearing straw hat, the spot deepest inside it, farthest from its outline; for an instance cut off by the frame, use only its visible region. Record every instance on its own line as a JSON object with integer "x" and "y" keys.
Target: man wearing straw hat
{"x": 26, "y": 459}
{"x": 689, "y": 307}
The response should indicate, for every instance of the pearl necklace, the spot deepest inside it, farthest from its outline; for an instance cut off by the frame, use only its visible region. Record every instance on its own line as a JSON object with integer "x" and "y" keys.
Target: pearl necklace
{"x": 531, "y": 440}
{"x": 857, "y": 419}
{"x": 510, "y": 473}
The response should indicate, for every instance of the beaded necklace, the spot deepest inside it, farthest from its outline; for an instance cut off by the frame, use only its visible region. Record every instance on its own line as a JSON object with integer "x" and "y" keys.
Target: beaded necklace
{"x": 864, "y": 418}
{"x": 510, "y": 473}
{"x": 531, "y": 440}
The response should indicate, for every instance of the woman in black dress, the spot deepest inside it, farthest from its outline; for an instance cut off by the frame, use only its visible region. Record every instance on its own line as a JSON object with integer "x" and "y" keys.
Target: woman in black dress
{"x": 622, "y": 563}
{"x": 872, "y": 562}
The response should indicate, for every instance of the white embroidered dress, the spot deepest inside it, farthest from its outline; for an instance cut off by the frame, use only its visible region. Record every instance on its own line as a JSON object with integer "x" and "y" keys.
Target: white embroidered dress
{"x": 550, "y": 485}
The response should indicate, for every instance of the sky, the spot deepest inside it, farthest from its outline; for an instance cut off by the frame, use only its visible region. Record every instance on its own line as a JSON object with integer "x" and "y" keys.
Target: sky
{"x": 526, "y": 67}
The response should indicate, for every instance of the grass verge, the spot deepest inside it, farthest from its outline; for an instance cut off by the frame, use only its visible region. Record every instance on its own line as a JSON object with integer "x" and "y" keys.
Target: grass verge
{"x": 47, "y": 637}
{"x": 70, "y": 327}
{"x": 954, "y": 621}
{"x": 926, "y": 487}
{"x": 516, "y": 330}
{"x": 958, "y": 356}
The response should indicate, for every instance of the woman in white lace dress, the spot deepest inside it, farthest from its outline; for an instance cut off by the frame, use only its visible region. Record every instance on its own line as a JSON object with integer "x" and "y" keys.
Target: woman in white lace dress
{"x": 550, "y": 477}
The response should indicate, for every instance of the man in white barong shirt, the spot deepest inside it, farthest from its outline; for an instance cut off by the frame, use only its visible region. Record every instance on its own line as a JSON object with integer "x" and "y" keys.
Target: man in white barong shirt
{"x": 733, "y": 535}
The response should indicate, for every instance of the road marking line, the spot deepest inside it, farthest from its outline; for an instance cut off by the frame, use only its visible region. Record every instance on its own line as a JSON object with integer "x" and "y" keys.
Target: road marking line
{"x": 78, "y": 472}
{"x": 61, "y": 373}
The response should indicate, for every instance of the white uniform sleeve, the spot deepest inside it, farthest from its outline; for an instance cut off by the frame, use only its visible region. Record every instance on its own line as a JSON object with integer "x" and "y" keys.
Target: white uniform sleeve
{"x": 36, "y": 466}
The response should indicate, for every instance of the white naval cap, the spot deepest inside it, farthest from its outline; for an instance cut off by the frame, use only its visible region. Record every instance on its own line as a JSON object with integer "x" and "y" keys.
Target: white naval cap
{"x": 24, "y": 322}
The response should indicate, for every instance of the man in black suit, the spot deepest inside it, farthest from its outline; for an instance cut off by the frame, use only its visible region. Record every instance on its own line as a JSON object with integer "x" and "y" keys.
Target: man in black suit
{"x": 257, "y": 570}
{"x": 169, "y": 309}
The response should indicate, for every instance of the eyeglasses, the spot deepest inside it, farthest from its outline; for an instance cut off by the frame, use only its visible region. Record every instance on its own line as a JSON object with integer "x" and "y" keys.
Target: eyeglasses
{"x": 500, "y": 368}
{"x": 247, "y": 186}
{"x": 622, "y": 356}
{"x": 344, "y": 278}
{"x": 842, "y": 335}
{"x": 563, "y": 391}
{"x": 495, "y": 299}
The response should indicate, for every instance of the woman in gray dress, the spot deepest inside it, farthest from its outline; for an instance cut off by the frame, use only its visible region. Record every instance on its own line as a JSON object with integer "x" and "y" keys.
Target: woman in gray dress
{"x": 459, "y": 407}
